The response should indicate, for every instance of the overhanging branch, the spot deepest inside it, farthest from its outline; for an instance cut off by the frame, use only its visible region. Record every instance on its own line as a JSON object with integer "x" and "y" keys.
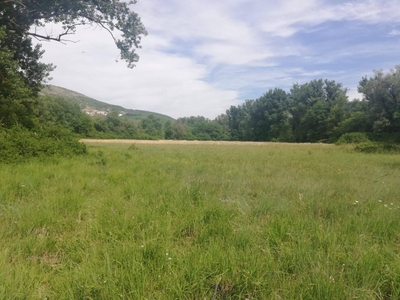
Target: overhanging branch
{"x": 52, "y": 38}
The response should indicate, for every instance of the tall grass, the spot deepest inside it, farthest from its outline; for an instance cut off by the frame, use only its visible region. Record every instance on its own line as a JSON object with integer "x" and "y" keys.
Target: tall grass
{"x": 267, "y": 221}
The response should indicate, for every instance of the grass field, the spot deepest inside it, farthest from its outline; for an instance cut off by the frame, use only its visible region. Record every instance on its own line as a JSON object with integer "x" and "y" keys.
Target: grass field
{"x": 202, "y": 221}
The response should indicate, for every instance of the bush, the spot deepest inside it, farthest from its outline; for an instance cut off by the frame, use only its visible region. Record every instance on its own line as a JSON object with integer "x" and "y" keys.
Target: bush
{"x": 19, "y": 144}
{"x": 373, "y": 147}
{"x": 353, "y": 138}
{"x": 368, "y": 147}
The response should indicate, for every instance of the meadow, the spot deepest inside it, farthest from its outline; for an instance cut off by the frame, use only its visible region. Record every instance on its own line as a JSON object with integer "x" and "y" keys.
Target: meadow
{"x": 202, "y": 221}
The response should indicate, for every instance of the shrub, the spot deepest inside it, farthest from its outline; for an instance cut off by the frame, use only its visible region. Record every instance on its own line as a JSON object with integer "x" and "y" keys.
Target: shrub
{"x": 373, "y": 147}
{"x": 19, "y": 144}
{"x": 368, "y": 147}
{"x": 353, "y": 138}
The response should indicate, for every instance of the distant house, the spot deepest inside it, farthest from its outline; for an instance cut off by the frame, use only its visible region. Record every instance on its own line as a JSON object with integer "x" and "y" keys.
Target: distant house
{"x": 94, "y": 112}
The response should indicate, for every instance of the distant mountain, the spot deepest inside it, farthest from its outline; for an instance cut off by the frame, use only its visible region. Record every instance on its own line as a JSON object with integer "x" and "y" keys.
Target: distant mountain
{"x": 94, "y": 107}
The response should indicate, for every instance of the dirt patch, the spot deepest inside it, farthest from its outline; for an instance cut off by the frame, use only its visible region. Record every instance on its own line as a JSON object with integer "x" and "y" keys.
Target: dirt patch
{"x": 184, "y": 142}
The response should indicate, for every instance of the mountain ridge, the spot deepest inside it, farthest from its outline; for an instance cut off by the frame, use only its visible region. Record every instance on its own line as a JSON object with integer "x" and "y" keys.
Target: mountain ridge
{"x": 95, "y": 107}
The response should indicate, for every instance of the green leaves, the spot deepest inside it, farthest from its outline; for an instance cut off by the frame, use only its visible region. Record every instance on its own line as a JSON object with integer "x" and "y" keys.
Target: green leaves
{"x": 382, "y": 91}
{"x": 110, "y": 15}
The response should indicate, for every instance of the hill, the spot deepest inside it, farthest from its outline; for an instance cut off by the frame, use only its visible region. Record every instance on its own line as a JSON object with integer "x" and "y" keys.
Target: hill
{"x": 94, "y": 107}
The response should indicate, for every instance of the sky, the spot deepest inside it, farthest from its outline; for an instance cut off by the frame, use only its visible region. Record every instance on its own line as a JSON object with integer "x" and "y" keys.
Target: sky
{"x": 201, "y": 57}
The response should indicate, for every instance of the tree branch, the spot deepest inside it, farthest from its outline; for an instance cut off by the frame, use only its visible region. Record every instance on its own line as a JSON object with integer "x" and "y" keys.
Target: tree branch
{"x": 102, "y": 25}
{"x": 50, "y": 38}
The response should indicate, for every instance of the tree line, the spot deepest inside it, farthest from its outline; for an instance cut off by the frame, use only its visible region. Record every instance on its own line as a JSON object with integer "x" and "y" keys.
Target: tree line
{"x": 320, "y": 111}
{"x": 316, "y": 111}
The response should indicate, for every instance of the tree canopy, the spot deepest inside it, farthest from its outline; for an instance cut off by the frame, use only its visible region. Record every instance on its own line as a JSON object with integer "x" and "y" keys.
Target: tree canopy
{"x": 111, "y": 15}
{"x": 382, "y": 92}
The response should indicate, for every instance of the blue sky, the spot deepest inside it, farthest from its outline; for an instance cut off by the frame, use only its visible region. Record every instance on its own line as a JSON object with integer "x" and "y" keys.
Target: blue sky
{"x": 201, "y": 57}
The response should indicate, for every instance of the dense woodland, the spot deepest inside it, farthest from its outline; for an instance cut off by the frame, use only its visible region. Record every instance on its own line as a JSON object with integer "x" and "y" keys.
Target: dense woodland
{"x": 33, "y": 125}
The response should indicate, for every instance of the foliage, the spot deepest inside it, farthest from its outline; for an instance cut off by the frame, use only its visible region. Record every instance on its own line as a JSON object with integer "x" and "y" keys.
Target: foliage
{"x": 19, "y": 48}
{"x": 317, "y": 107}
{"x": 22, "y": 16}
{"x": 309, "y": 113}
{"x": 320, "y": 111}
{"x": 152, "y": 127}
{"x": 353, "y": 138}
{"x": 55, "y": 111}
{"x": 382, "y": 92}
{"x": 16, "y": 94}
{"x": 368, "y": 147}
{"x": 377, "y": 147}
{"x": 199, "y": 128}
{"x": 20, "y": 144}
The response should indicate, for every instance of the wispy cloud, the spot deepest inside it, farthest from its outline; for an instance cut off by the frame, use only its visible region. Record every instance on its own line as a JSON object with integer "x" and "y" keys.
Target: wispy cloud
{"x": 394, "y": 32}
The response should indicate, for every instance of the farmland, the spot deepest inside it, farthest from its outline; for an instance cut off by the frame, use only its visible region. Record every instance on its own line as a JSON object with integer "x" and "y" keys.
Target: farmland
{"x": 202, "y": 221}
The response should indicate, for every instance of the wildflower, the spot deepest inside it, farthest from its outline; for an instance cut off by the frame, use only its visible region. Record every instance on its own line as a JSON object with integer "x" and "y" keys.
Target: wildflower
{"x": 380, "y": 201}
{"x": 385, "y": 205}
{"x": 142, "y": 246}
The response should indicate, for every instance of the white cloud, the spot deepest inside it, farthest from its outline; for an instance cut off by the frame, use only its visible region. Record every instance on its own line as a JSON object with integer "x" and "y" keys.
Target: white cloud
{"x": 163, "y": 83}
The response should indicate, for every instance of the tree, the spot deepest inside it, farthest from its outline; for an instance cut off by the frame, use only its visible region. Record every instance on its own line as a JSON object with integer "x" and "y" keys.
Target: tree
{"x": 382, "y": 92}
{"x": 53, "y": 111}
{"x": 152, "y": 127}
{"x": 317, "y": 107}
{"x": 16, "y": 101}
{"x": 270, "y": 116}
{"x": 25, "y": 16}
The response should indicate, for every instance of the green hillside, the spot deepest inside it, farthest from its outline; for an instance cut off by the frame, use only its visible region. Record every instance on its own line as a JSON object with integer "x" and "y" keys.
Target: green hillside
{"x": 95, "y": 107}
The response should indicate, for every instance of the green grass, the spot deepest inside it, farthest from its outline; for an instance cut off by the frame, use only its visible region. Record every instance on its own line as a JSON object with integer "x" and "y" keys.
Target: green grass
{"x": 270, "y": 221}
